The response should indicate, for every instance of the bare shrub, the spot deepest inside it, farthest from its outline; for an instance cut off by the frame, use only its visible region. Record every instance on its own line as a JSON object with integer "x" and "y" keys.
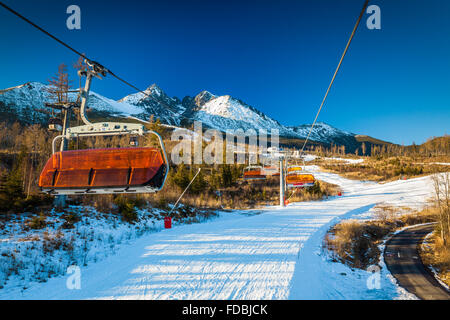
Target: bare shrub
{"x": 441, "y": 183}
{"x": 37, "y": 222}
{"x": 385, "y": 213}
{"x": 320, "y": 190}
{"x": 355, "y": 243}
{"x": 436, "y": 254}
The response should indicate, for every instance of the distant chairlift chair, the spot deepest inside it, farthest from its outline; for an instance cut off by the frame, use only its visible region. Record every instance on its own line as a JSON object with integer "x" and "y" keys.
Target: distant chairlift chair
{"x": 254, "y": 173}
{"x": 55, "y": 124}
{"x": 297, "y": 178}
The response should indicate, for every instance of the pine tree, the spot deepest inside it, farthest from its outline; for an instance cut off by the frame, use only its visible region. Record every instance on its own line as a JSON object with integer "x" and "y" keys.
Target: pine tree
{"x": 199, "y": 184}
{"x": 181, "y": 177}
{"x": 12, "y": 193}
{"x": 60, "y": 84}
{"x": 227, "y": 176}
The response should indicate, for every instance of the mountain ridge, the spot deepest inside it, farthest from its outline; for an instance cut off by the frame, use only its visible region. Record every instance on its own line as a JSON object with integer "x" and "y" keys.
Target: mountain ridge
{"x": 224, "y": 113}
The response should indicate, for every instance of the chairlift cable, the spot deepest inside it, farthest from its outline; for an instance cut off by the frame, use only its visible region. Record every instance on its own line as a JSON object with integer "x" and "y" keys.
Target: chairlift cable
{"x": 335, "y": 72}
{"x": 80, "y": 54}
{"x": 306, "y": 175}
{"x": 111, "y": 177}
{"x": 42, "y": 30}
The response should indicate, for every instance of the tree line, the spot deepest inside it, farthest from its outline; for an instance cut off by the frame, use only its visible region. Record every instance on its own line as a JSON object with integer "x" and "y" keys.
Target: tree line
{"x": 433, "y": 147}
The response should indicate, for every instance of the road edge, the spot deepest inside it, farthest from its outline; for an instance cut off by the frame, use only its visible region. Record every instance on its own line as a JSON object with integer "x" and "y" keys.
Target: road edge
{"x": 426, "y": 267}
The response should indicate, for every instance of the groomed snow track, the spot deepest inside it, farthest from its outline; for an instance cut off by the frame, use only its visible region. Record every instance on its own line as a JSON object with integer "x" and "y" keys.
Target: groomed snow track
{"x": 274, "y": 254}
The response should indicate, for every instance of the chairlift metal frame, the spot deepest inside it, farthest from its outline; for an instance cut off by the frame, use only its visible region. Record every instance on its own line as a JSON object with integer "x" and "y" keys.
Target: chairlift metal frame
{"x": 102, "y": 129}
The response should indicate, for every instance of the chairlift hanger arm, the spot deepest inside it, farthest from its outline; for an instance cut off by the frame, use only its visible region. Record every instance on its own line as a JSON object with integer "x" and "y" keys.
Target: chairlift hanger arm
{"x": 97, "y": 70}
{"x": 97, "y": 66}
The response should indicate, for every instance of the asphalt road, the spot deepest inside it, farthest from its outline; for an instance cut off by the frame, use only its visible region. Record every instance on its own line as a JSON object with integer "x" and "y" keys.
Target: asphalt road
{"x": 403, "y": 261}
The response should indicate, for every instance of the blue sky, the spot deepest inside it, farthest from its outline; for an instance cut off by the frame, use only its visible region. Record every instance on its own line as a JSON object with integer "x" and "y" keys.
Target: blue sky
{"x": 277, "y": 56}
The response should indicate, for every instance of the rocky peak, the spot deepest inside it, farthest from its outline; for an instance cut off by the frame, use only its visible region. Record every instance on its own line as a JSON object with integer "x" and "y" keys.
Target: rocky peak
{"x": 203, "y": 97}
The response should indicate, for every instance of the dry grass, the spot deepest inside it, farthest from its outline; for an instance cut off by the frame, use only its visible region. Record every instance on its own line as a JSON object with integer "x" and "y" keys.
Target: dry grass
{"x": 355, "y": 242}
{"x": 436, "y": 254}
{"x": 320, "y": 190}
{"x": 243, "y": 195}
{"x": 386, "y": 169}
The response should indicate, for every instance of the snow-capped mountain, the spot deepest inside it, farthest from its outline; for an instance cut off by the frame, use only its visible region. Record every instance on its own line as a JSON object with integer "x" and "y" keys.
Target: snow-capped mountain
{"x": 321, "y": 132}
{"x": 223, "y": 113}
{"x": 328, "y": 135}
{"x": 24, "y": 102}
{"x": 21, "y": 102}
{"x": 156, "y": 102}
{"x": 226, "y": 113}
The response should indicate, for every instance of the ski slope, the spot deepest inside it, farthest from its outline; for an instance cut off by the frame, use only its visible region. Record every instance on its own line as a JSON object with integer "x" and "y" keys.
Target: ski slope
{"x": 272, "y": 254}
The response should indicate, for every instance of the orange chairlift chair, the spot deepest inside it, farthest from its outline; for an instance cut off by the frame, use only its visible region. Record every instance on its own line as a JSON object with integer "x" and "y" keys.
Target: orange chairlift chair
{"x": 104, "y": 171}
{"x": 294, "y": 168}
{"x": 254, "y": 173}
{"x": 298, "y": 178}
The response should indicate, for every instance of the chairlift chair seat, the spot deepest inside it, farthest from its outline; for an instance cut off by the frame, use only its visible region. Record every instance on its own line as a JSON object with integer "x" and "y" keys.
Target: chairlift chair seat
{"x": 294, "y": 169}
{"x": 104, "y": 171}
{"x": 298, "y": 179}
{"x": 254, "y": 173}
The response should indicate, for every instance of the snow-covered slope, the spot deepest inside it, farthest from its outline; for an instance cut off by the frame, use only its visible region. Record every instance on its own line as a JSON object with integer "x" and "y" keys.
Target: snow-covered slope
{"x": 102, "y": 103}
{"x": 276, "y": 254}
